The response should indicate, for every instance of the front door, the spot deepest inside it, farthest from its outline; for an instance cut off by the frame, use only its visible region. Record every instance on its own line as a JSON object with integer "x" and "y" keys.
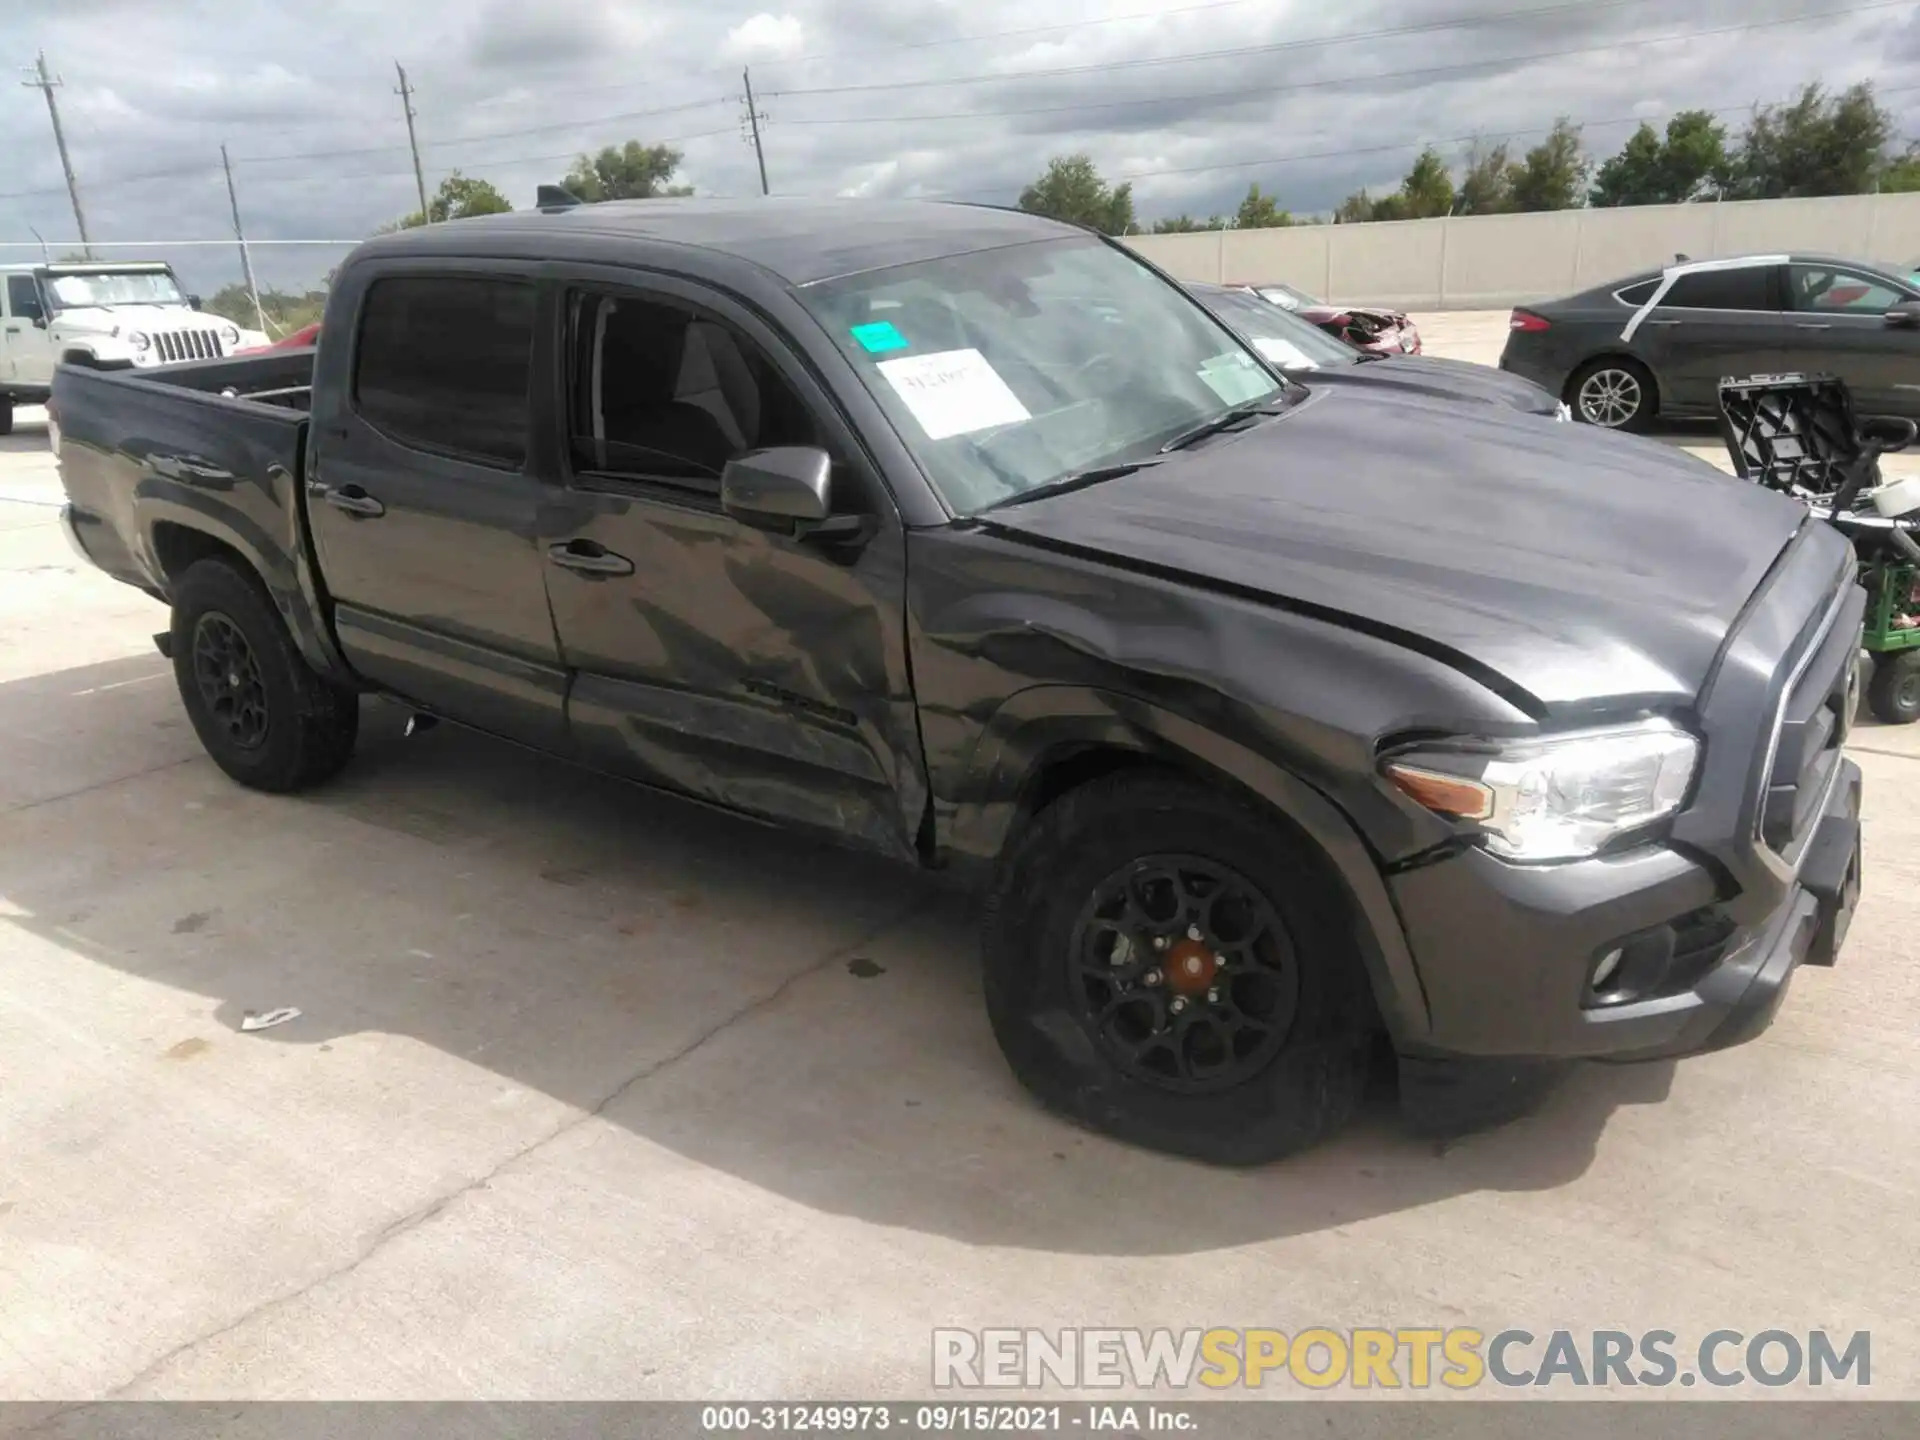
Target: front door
{"x": 1840, "y": 328}
{"x": 27, "y": 356}
{"x": 758, "y": 671}
{"x": 422, "y": 504}
{"x": 1713, "y": 324}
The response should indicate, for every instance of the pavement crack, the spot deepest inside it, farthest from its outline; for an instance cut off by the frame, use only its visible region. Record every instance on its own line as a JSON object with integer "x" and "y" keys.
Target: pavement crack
{"x": 27, "y": 805}
{"x": 414, "y": 1219}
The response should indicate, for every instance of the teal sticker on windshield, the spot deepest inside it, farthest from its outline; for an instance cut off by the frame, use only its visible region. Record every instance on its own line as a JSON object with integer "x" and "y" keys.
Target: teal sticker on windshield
{"x": 879, "y": 337}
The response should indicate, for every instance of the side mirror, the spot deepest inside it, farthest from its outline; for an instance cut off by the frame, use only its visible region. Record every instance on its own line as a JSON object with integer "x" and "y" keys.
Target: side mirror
{"x": 1905, "y": 315}
{"x": 39, "y": 322}
{"x": 193, "y": 302}
{"x": 785, "y": 488}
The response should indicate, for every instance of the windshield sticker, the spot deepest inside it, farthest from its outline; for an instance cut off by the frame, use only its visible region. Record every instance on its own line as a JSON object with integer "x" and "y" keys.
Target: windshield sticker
{"x": 953, "y": 392}
{"x": 879, "y": 337}
{"x": 1283, "y": 353}
{"x": 1235, "y": 378}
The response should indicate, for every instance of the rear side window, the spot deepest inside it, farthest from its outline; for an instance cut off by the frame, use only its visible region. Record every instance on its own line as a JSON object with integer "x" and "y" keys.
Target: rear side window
{"x": 1639, "y": 294}
{"x": 443, "y": 364}
{"x": 1749, "y": 289}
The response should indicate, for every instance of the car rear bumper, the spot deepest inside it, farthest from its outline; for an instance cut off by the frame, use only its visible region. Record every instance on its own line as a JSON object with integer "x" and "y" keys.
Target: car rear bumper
{"x": 1507, "y": 954}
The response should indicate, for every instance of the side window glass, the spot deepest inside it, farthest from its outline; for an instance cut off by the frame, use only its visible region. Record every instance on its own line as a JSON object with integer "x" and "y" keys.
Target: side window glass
{"x": 1722, "y": 290}
{"x": 661, "y": 392}
{"x": 443, "y": 362}
{"x": 1639, "y": 294}
{"x": 23, "y": 298}
{"x": 1821, "y": 287}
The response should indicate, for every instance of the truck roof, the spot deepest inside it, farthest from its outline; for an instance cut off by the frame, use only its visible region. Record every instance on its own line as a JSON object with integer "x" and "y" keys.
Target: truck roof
{"x": 799, "y": 240}
{"x": 82, "y": 267}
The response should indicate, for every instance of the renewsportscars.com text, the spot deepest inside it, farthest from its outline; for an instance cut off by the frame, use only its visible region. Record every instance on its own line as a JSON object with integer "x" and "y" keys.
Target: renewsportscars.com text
{"x": 1459, "y": 1358}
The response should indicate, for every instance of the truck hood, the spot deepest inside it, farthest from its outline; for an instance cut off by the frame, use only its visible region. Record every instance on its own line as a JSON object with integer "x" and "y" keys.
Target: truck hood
{"x": 105, "y": 319}
{"x": 1442, "y": 379}
{"x": 1588, "y": 569}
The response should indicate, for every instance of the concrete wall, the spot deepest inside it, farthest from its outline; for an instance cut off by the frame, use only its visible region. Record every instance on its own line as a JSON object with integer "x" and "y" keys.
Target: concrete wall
{"x": 1490, "y": 261}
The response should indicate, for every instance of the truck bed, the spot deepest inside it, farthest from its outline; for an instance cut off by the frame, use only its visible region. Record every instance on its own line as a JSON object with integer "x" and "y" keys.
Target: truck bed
{"x": 162, "y": 466}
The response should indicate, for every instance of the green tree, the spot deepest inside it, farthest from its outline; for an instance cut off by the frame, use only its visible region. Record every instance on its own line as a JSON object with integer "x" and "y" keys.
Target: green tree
{"x": 1187, "y": 225}
{"x": 286, "y": 309}
{"x": 1487, "y": 188}
{"x": 1260, "y": 212}
{"x": 1356, "y": 208}
{"x": 1821, "y": 144}
{"x": 458, "y": 197}
{"x": 1902, "y": 174}
{"x": 1072, "y": 190}
{"x": 1553, "y": 174}
{"x": 1427, "y": 189}
{"x": 1688, "y": 164}
{"x": 626, "y": 172}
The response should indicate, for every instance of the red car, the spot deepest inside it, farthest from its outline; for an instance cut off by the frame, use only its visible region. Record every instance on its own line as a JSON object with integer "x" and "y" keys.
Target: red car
{"x": 1376, "y": 331}
{"x": 299, "y": 340}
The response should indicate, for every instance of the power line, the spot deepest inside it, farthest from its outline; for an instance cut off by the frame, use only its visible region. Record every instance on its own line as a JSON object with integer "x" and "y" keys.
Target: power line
{"x": 1002, "y": 77}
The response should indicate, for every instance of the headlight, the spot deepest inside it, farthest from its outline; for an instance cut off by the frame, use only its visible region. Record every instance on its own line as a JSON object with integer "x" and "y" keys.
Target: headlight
{"x": 138, "y": 339}
{"x": 229, "y": 334}
{"x": 1554, "y": 797}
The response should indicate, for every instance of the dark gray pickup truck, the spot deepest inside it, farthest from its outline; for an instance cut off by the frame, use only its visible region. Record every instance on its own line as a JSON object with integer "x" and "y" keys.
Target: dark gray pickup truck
{"x": 1269, "y": 721}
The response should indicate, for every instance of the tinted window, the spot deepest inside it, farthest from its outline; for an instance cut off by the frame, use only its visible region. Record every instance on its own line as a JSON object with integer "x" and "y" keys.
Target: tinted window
{"x": 1639, "y": 294}
{"x": 1281, "y": 336}
{"x": 23, "y": 297}
{"x": 1825, "y": 287}
{"x": 661, "y": 392}
{"x": 442, "y": 364}
{"x": 1747, "y": 289}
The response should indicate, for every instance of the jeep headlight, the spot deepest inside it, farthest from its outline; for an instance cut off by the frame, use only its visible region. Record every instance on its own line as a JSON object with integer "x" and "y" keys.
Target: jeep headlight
{"x": 1553, "y": 797}
{"x": 229, "y": 335}
{"x": 138, "y": 339}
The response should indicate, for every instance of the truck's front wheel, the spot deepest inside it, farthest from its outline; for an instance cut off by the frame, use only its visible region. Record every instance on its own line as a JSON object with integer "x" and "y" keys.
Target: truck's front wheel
{"x": 1166, "y": 963}
{"x": 259, "y": 709}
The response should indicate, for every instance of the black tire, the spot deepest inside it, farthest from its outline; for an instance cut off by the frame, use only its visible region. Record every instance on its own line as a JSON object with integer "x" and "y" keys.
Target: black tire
{"x": 1288, "y": 1099}
{"x": 289, "y": 728}
{"x": 1600, "y": 391}
{"x": 1893, "y": 694}
{"x": 6, "y": 414}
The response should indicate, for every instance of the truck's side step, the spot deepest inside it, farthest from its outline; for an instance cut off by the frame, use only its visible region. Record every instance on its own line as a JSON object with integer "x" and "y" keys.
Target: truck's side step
{"x": 163, "y": 642}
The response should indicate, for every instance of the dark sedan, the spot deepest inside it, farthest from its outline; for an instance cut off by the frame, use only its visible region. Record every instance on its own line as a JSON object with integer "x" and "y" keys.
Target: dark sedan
{"x": 1660, "y": 342}
{"x": 1310, "y": 355}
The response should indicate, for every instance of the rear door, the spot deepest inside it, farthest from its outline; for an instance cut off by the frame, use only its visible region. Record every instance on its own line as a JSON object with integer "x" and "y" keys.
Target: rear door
{"x": 422, "y": 505}
{"x": 1840, "y": 328}
{"x": 753, "y": 669}
{"x": 1712, "y": 324}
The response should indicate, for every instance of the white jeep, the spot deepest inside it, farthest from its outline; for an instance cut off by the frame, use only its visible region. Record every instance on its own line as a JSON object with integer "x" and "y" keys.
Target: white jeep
{"x": 111, "y": 316}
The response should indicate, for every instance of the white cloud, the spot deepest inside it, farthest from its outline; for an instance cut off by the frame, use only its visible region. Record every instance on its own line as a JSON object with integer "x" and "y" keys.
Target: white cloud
{"x": 764, "y": 37}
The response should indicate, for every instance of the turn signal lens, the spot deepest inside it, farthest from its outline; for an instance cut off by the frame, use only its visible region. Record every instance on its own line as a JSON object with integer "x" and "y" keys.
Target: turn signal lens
{"x": 1444, "y": 794}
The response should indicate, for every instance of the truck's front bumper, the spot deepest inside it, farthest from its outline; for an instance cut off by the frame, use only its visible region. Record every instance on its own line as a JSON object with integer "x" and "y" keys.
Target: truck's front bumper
{"x": 1507, "y": 954}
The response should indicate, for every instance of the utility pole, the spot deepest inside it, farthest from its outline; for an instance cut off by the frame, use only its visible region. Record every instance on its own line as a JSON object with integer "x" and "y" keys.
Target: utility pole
{"x": 46, "y": 84}
{"x": 754, "y": 117}
{"x": 405, "y": 92}
{"x": 246, "y": 260}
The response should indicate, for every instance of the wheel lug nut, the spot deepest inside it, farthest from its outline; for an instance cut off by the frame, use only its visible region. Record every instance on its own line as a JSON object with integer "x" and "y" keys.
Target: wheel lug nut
{"x": 1178, "y": 1004}
{"x": 1193, "y": 932}
{"x": 1152, "y": 977}
{"x": 1213, "y": 995}
{"x": 1159, "y": 942}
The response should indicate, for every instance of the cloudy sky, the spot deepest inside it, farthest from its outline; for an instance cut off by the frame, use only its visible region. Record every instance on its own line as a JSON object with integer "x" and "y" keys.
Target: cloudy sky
{"x": 1191, "y": 101}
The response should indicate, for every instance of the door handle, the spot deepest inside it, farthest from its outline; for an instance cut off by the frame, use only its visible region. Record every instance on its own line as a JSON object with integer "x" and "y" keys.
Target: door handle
{"x": 355, "y": 501}
{"x": 1813, "y": 325}
{"x": 1666, "y": 322}
{"x": 589, "y": 558}
{"x": 13, "y": 329}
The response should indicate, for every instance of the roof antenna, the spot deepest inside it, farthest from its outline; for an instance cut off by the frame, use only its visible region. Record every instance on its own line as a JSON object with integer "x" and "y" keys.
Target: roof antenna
{"x": 551, "y": 199}
{"x": 1683, "y": 259}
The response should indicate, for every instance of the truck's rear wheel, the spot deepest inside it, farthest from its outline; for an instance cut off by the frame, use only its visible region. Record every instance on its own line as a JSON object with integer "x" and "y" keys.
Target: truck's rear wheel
{"x": 259, "y": 709}
{"x": 1167, "y": 964}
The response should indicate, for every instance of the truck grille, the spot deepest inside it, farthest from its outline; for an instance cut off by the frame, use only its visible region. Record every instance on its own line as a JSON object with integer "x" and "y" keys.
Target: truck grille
{"x": 172, "y": 345}
{"x": 1809, "y": 733}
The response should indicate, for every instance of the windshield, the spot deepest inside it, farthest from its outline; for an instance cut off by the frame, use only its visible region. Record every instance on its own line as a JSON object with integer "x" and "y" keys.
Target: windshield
{"x": 1278, "y": 334}
{"x": 109, "y": 287}
{"x": 1287, "y": 297}
{"x": 1005, "y": 370}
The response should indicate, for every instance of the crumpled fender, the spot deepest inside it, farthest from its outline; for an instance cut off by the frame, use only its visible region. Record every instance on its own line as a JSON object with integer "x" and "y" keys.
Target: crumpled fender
{"x": 1041, "y": 721}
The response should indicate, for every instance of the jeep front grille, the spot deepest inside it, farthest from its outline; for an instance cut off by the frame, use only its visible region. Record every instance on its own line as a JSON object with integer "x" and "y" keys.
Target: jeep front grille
{"x": 172, "y": 345}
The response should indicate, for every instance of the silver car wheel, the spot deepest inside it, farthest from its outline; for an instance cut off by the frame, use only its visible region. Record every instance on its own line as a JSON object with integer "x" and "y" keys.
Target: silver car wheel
{"x": 1610, "y": 398}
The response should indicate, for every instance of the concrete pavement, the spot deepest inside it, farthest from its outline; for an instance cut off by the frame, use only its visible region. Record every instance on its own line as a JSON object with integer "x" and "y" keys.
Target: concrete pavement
{"x": 596, "y": 1094}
